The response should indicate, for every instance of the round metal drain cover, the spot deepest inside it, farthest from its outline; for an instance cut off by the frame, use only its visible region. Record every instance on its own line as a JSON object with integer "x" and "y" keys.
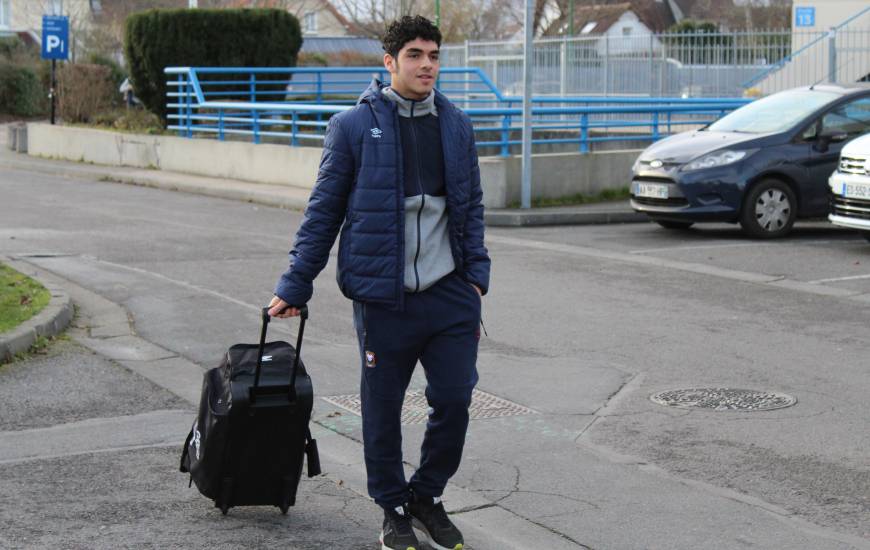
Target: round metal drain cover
{"x": 723, "y": 399}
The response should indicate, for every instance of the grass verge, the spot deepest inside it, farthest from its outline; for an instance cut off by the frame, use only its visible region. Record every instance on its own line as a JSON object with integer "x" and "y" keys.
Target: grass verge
{"x": 607, "y": 195}
{"x": 20, "y": 298}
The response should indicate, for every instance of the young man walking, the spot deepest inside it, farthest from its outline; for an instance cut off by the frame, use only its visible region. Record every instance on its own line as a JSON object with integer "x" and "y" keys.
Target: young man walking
{"x": 399, "y": 179}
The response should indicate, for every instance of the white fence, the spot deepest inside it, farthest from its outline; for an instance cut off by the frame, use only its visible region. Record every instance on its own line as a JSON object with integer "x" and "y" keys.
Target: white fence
{"x": 668, "y": 65}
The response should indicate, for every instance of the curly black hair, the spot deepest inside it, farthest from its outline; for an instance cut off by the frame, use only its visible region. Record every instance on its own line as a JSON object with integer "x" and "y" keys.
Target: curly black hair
{"x": 408, "y": 29}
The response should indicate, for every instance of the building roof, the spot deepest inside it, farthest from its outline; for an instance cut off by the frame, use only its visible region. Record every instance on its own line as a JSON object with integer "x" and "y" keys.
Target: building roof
{"x": 335, "y": 44}
{"x": 598, "y": 18}
{"x": 28, "y": 37}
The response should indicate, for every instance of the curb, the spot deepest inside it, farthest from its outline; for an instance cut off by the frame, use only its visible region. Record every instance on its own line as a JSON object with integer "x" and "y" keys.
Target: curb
{"x": 251, "y": 195}
{"x": 51, "y": 321}
{"x": 513, "y": 218}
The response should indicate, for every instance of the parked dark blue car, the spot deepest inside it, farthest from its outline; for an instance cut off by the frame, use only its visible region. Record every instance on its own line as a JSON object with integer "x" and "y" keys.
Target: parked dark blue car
{"x": 763, "y": 165}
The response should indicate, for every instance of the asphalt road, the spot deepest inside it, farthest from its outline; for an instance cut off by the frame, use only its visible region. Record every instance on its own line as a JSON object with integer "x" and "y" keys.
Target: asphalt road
{"x": 584, "y": 324}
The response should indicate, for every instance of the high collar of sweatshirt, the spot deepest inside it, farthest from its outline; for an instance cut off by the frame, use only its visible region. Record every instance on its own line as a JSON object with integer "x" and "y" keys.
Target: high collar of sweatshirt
{"x": 421, "y": 107}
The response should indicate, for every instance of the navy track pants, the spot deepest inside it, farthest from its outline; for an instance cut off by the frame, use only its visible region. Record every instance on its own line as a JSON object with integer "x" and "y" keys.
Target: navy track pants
{"x": 440, "y": 328}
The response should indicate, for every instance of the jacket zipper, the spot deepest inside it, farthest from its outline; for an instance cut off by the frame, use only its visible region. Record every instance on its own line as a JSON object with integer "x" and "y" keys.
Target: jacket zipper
{"x": 422, "y": 200}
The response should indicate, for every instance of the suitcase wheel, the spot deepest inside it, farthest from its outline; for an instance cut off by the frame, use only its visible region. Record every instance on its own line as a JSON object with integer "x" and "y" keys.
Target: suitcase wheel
{"x": 224, "y": 499}
{"x": 284, "y": 509}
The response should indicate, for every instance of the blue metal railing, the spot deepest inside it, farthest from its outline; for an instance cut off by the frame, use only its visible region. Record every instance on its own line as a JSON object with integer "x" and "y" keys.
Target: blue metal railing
{"x": 290, "y": 105}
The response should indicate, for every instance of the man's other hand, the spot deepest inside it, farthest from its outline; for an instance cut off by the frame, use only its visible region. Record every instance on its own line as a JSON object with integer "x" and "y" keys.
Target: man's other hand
{"x": 281, "y": 309}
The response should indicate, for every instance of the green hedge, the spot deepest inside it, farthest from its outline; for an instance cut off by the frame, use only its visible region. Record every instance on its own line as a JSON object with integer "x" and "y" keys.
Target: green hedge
{"x": 21, "y": 93}
{"x": 157, "y": 39}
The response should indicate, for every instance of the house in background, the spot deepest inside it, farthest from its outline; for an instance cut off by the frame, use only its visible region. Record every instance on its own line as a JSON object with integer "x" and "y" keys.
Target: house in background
{"x": 327, "y": 32}
{"x": 620, "y": 28}
{"x": 321, "y": 18}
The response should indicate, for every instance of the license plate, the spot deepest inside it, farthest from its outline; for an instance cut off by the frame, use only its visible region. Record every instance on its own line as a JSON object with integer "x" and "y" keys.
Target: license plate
{"x": 855, "y": 190}
{"x": 652, "y": 190}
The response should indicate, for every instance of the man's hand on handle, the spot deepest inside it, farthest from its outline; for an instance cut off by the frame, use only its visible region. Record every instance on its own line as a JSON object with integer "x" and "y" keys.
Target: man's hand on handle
{"x": 281, "y": 309}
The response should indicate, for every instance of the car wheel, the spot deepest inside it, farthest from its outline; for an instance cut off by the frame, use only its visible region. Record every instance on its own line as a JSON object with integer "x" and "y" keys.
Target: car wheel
{"x": 667, "y": 224}
{"x": 769, "y": 210}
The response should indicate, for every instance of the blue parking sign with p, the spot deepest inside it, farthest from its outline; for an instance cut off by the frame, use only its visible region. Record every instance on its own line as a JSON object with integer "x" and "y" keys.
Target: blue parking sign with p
{"x": 55, "y": 37}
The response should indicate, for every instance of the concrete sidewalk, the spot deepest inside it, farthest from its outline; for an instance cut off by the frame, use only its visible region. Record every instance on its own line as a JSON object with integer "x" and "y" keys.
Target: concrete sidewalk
{"x": 296, "y": 198}
{"x": 91, "y": 436}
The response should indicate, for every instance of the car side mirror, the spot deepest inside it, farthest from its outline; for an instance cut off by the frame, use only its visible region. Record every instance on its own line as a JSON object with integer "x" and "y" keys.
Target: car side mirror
{"x": 826, "y": 138}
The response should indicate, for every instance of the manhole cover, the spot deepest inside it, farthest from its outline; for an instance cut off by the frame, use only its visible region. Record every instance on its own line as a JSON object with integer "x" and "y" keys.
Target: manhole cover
{"x": 415, "y": 410}
{"x": 724, "y": 399}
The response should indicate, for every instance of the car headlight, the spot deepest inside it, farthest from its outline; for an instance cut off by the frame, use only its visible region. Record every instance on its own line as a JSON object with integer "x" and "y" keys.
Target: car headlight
{"x": 712, "y": 160}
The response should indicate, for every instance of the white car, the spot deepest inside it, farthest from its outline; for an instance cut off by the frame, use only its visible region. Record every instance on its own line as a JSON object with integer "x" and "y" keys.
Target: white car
{"x": 850, "y": 187}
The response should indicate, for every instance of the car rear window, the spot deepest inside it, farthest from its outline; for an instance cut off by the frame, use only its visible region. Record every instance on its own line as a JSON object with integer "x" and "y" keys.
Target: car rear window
{"x": 772, "y": 114}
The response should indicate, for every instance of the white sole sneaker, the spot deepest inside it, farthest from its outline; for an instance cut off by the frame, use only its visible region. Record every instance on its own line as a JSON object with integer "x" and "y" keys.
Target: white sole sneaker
{"x": 385, "y": 547}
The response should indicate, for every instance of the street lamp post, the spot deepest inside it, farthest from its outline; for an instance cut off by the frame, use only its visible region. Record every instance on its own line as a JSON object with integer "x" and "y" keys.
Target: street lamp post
{"x": 526, "y": 190}
{"x": 571, "y": 18}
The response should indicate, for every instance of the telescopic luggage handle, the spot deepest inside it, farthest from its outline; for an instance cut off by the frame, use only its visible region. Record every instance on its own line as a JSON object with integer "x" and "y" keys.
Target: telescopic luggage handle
{"x": 303, "y": 316}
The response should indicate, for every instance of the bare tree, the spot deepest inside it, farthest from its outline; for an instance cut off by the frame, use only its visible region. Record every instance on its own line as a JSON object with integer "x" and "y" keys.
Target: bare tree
{"x": 466, "y": 20}
{"x": 107, "y": 34}
{"x": 470, "y": 19}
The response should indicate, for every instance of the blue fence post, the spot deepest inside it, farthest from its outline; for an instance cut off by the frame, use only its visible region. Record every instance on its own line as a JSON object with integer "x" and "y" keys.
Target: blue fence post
{"x": 584, "y": 133}
{"x": 319, "y": 93}
{"x": 319, "y": 90}
{"x": 189, "y": 112}
{"x": 294, "y": 141}
{"x": 181, "y": 89}
{"x": 655, "y": 126}
{"x": 221, "y": 124}
{"x": 253, "y": 99}
{"x": 505, "y": 135}
{"x": 255, "y": 126}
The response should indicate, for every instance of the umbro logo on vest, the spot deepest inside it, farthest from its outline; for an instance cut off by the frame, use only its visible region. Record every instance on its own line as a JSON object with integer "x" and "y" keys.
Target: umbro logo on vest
{"x": 377, "y": 133}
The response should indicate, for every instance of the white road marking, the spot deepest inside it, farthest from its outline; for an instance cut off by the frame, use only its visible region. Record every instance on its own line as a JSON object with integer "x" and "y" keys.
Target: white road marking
{"x": 837, "y": 279}
{"x": 727, "y": 245}
{"x": 699, "y": 247}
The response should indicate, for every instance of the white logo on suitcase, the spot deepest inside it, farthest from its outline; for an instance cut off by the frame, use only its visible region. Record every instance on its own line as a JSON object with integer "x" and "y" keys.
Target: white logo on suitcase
{"x": 195, "y": 442}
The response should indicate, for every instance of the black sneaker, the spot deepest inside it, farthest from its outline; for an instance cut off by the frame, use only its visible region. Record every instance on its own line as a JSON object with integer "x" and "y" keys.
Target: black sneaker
{"x": 398, "y": 533}
{"x": 432, "y": 521}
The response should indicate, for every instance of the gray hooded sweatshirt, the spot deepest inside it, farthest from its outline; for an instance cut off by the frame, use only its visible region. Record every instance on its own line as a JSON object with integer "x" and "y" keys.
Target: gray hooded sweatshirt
{"x": 428, "y": 257}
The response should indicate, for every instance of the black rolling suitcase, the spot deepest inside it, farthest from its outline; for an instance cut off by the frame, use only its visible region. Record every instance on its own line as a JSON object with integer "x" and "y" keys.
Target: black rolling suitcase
{"x": 251, "y": 435}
